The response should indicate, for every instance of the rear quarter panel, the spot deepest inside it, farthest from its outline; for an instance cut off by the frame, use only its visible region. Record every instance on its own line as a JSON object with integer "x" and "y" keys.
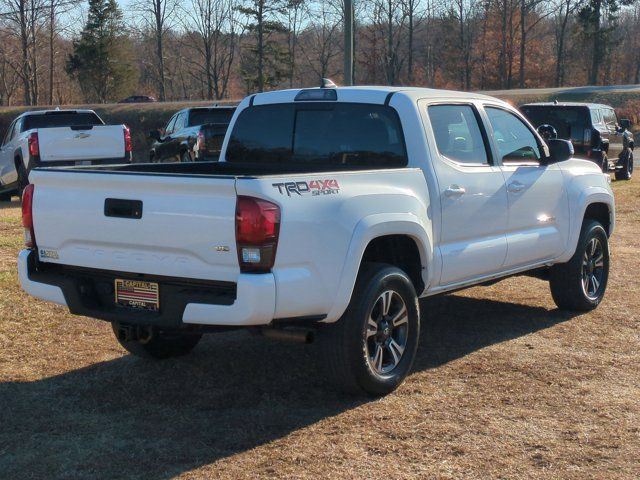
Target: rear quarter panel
{"x": 327, "y": 221}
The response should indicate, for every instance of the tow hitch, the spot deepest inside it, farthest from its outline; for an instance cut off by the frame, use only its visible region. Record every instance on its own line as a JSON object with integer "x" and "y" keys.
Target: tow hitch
{"x": 138, "y": 333}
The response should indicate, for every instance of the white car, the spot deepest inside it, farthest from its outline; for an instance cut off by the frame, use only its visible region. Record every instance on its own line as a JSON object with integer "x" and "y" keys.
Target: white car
{"x": 331, "y": 212}
{"x": 58, "y": 137}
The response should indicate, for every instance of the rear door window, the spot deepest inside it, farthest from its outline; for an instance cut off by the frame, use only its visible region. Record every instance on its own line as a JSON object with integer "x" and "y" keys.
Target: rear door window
{"x": 61, "y": 119}
{"x": 457, "y": 133}
{"x": 320, "y": 134}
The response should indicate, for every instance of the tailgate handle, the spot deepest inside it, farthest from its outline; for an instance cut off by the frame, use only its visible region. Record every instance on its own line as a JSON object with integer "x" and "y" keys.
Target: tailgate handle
{"x": 81, "y": 127}
{"x": 121, "y": 208}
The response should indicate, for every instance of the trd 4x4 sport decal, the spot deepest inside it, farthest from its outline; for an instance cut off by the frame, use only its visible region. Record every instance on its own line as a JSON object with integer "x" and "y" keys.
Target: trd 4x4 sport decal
{"x": 314, "y": 187}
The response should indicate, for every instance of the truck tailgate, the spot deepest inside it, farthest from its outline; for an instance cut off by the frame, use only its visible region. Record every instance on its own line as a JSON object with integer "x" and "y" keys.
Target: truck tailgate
{"x": 81, "y": 143}
{"x": 186, "y": 226}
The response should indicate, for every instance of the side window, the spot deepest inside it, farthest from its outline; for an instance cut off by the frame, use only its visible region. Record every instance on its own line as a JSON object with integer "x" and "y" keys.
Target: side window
{"x": 169, "y": 128}
{"x": 516, "y": 143}
{"x": 457, "y": 133}
{"x": 610, "y": 118}
{"x": 596, "y": 116}
{"x": 179, "y": 122}
{"x": 16, "y": 129}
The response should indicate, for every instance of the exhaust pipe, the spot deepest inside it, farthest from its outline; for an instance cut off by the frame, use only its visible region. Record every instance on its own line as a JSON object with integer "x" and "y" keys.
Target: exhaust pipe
{"x": 298, "y": 335}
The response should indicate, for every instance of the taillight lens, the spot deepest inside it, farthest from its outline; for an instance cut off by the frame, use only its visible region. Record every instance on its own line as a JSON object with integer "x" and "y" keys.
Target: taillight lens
{"x": 127, "y": 140}
{"x": 34, "y": 145}
{"x": 202, "y": 141}
{"x": 257, "y": 230}
{"x": 27, "y": 216}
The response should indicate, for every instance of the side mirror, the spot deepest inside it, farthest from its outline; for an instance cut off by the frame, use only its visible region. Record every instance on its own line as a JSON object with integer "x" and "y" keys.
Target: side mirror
{"x": 154, "y": 135}
{"x": 559, "y": 150}
{"x": 625, "y": 124}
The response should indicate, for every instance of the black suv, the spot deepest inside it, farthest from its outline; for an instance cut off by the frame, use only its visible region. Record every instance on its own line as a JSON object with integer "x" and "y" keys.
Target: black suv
{"x": 593, "y": 129}
{"x": 191, "y": 134}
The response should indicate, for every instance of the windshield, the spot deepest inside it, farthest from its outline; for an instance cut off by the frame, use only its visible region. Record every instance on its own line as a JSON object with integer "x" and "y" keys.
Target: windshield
{"x": 204, "y": 116}
{"x": 319, "y": 133}
{"x": 60, "y": 119}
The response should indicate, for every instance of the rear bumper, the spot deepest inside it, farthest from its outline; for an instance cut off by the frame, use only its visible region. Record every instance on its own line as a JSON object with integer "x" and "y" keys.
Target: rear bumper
{"x": 88, "y": 292}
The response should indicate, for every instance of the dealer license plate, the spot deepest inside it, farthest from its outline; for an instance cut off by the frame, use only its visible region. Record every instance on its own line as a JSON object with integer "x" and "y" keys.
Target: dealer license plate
{"x": 137, "y": 294}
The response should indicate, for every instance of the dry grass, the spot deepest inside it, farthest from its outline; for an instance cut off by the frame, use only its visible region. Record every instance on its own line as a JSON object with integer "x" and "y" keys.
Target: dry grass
{"x": 505, "y": 386}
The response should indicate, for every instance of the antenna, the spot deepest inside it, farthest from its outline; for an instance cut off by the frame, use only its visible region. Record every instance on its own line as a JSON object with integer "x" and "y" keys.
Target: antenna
{"x": 327, "y": 83}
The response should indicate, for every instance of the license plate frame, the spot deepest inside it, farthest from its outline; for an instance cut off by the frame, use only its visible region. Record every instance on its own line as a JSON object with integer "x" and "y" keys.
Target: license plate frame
{"x": 137, "y": 294}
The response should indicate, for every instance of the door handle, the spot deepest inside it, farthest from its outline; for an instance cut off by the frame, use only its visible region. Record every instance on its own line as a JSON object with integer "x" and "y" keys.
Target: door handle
{"x": 454, "y": 191}
{"x": 515, "y": 187}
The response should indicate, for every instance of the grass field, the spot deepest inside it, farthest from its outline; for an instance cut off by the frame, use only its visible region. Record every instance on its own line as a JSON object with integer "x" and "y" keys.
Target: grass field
{"x": 504, "y": 386}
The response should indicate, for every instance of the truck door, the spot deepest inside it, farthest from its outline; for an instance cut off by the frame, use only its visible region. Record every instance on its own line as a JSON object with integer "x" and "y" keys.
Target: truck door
{"x": 615, "y": 138}
{"x": 8, "y": 172}
{"x": 538, "y": 204}
{"x": 473, "y": 198}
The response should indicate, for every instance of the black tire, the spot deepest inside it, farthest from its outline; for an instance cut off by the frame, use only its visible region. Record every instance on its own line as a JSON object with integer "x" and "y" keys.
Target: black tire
{"x": 159, "y": 344}
{"x": 5, "y": 197}
{"x": 351, "y": 353}
{"x": 626, "y": 172}
{"x": 567, "y": 280}
{"x": 23, "y": 178}
{"x": 604, "y": 166}
{"x": 185, "y": 157}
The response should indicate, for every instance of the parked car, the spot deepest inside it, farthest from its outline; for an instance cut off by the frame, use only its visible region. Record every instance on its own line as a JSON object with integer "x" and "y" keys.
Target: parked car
{"x": 58, "y": 137}
{"x": 138, "y": 99}
{"x": 593, "y": 129}
{"x": 330, "y": 212}
{"x": 191, "y": 134}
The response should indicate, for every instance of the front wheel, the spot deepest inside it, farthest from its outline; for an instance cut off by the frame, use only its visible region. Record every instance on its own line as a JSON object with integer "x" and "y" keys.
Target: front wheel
{"x": 626, "y": 171}
{"x": 579, "y": 284}
{"x": 154, "y": 343}
{"x": 372, "y": 347}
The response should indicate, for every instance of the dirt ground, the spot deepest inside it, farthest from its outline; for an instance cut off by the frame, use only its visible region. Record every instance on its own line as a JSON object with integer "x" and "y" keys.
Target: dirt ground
{"x": 504, "y": 386}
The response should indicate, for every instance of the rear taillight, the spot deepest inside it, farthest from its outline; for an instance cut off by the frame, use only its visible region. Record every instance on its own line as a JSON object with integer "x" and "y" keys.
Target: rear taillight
{"x": 34, "y": 145}
{"x": 27, "y": 216}
{"x": 127, "y": 140}
{"x": 257, "y": 229}
{"x": 202, "y": 141}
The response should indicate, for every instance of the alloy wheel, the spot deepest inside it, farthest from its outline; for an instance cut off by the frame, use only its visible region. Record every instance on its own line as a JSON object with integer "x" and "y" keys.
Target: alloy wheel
{"x": 387, "y": 332}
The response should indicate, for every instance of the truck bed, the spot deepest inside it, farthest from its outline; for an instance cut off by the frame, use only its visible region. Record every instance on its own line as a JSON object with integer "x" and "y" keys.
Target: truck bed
{"x": 213, "y": 169}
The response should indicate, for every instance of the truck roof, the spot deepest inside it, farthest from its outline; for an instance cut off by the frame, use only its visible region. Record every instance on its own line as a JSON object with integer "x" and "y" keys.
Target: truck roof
{"x": 54, "y": 111}
{"x": 372, "y": 94}
{"x": 566, "y": 104}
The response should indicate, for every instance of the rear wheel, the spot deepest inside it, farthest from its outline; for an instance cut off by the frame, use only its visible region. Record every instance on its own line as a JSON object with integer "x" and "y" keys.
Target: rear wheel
{"x": 626, "y": 171}
{"x": 154, "y": 343}
{"x": 5, "y": 197}
{"x": 604, "y": 166}
{"x": 23, "y": 178}
{"x": 371, "y": 349}
{"x": 580, "y": 284}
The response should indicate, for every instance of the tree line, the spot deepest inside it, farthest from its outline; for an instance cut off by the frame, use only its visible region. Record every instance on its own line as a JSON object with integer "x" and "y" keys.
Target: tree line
{"x": 70, "y": 51}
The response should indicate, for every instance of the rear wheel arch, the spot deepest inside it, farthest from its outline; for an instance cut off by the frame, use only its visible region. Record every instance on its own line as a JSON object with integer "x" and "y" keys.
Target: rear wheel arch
{"x": 401, "y": 251}
{"x": 369, "y": 235}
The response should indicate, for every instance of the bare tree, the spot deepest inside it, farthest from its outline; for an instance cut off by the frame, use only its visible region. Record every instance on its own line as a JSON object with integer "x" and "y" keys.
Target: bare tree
{"x": 157, "y": 17}
{"x": 564, "y": 11}
{"x": 212, "y": 34}
{"x": 320, "y": 40}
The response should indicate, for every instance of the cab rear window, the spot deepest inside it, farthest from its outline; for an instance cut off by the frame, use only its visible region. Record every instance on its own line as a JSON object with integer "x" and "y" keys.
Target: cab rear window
{"x": 61, "y": 119}
{"x": 346, "y": 134}
{"x": 204, "y": 116}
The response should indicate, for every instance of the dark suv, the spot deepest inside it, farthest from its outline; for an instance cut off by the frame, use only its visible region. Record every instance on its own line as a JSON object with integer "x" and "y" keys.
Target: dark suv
{"x": 593, "y": 129}
{"x": 191, "y": 134}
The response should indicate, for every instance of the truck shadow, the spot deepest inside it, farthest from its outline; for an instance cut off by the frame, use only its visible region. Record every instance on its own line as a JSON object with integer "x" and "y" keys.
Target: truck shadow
{"x": 128, "y": 418}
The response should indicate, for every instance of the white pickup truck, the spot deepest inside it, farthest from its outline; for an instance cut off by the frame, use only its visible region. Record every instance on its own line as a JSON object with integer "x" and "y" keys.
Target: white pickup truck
{"x": 331, "y": 212}
{"x": 58, "y": 137}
